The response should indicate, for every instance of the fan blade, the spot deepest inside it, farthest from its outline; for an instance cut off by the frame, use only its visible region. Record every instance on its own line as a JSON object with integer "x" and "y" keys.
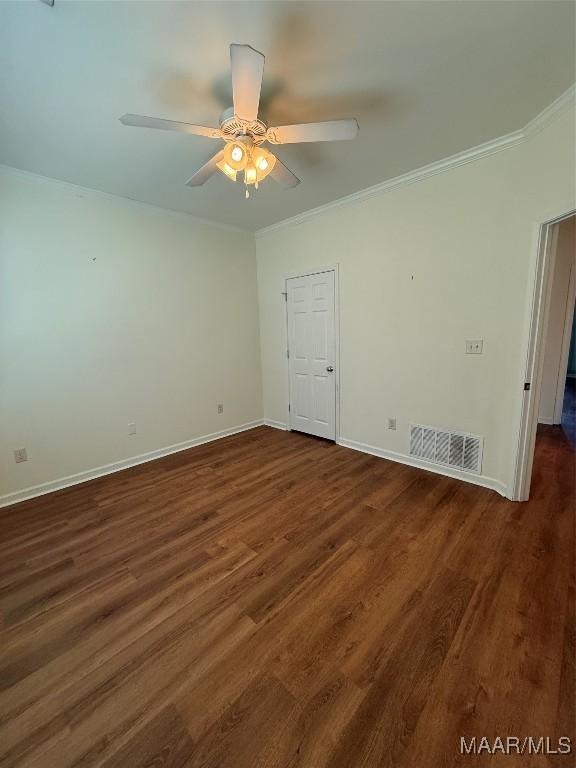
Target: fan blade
{"x": 331, "y": 130}
{"x": 283, "y": 175}
{"x": 247, "y": 72}
{"x": 204, "y": 173}
{"x": 141, "y": 121}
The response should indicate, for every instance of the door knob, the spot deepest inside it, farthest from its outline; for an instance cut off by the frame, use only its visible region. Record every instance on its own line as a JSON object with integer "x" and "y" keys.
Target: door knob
{"x": 329, "y": 368}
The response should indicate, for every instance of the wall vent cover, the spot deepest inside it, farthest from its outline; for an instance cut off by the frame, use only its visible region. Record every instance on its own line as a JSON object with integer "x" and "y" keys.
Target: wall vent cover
{"x": 453, "y": 449}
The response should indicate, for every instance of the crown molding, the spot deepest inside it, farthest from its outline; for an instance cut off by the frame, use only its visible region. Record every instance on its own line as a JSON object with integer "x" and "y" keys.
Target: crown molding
{"x": 562, "y": 103}
{"x": 440, "y": 166}
{"x": 565, "y": 101}
{"x": 9, "y": 170}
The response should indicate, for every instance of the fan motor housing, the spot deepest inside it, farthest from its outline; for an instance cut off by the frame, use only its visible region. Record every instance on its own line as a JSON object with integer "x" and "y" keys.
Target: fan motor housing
{"x": 234, "y": 127}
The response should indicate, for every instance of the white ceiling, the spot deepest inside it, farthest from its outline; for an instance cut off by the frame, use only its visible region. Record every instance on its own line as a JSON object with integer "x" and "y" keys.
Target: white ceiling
{"x": 425, "y": 80}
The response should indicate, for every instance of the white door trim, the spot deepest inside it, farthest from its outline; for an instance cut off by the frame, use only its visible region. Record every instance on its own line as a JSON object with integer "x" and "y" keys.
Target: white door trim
{"x": 533, "y": 354}
{"x": 566, "y": 335}
{"x": 305, "y": 273}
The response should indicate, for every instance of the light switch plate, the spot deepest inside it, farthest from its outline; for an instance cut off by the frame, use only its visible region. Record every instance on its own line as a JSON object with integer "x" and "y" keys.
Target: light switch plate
{"x": 474, "y": 346}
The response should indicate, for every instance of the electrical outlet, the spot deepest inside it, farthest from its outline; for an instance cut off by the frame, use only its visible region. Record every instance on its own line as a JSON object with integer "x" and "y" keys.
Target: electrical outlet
{"x": 220, "y": 408}
{"x": 132, "y": 428}
{"x": 391, "y": 423}
{"x": 474, "y": 346}
{"x": 20, "y": 455}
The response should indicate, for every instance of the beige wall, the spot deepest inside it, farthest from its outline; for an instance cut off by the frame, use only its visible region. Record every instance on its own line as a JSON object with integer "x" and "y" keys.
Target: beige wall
{"x": 565, "y": 257}
{"x": 423, "y": 267}
{"x": 113, "y": 313}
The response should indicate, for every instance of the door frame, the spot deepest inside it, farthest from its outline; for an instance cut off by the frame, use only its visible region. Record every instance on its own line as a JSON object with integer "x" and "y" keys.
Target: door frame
{"x": 566, "y": 335}
{"x": 536, "y": 325}
{"x": 305, "y": 273}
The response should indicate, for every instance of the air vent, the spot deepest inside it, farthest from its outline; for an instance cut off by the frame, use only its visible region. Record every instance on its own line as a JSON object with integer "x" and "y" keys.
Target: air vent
{"x": 453, "y": 449}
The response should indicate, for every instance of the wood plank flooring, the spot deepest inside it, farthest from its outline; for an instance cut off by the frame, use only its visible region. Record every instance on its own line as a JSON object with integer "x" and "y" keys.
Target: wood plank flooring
{"x": 273, "y": 600}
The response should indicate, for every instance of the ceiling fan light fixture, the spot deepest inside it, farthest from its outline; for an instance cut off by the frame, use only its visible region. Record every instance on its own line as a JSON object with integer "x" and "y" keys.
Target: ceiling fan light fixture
{"x": 236, "y": 155}
{"x": 250, "y": 174}
{"x": 226, "y": 169}
{"x": 264, "y": 162}
{"x": 243, "y": 132}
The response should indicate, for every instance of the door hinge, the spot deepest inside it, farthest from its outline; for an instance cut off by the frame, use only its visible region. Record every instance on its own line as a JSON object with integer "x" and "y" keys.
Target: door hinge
{"x": 288, "y": 353}
{"x": 526, "y": 386}
{"x": 285, "y": 294}
{"x": 288, "y": 407}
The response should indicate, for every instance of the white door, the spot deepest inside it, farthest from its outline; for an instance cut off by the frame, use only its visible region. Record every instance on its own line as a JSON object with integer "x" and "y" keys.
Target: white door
{"x": 311, "y": 354}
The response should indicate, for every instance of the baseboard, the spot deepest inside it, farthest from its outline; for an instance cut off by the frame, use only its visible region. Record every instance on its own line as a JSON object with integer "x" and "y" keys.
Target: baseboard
{"x": 118, "y": 466}
{"x": 548, "y": 420}
{"x": 412, "y": 461}
{"x": 275, "y": 424}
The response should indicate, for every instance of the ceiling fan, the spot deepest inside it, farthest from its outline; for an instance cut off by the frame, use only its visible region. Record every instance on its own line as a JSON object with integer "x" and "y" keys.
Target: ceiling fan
{"x": 244, "y": 134}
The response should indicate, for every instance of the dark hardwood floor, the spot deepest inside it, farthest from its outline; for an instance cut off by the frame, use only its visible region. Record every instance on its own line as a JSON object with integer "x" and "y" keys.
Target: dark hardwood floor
{"x": 274, "y": 600}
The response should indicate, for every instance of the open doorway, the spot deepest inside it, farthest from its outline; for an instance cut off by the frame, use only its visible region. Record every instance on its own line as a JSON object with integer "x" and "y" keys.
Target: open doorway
{"x": 568, "y": 417}
{"x": 548, "y": 404}
{"x": 556, "y": 407}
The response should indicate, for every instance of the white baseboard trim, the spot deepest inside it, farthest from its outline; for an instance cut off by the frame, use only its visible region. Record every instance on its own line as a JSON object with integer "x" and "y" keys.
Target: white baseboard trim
{"x": 117, "y": 466}
{"x": 548, "y": 420}
{"x": 412, "y": 461}
{"x": 275, "y": 424}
